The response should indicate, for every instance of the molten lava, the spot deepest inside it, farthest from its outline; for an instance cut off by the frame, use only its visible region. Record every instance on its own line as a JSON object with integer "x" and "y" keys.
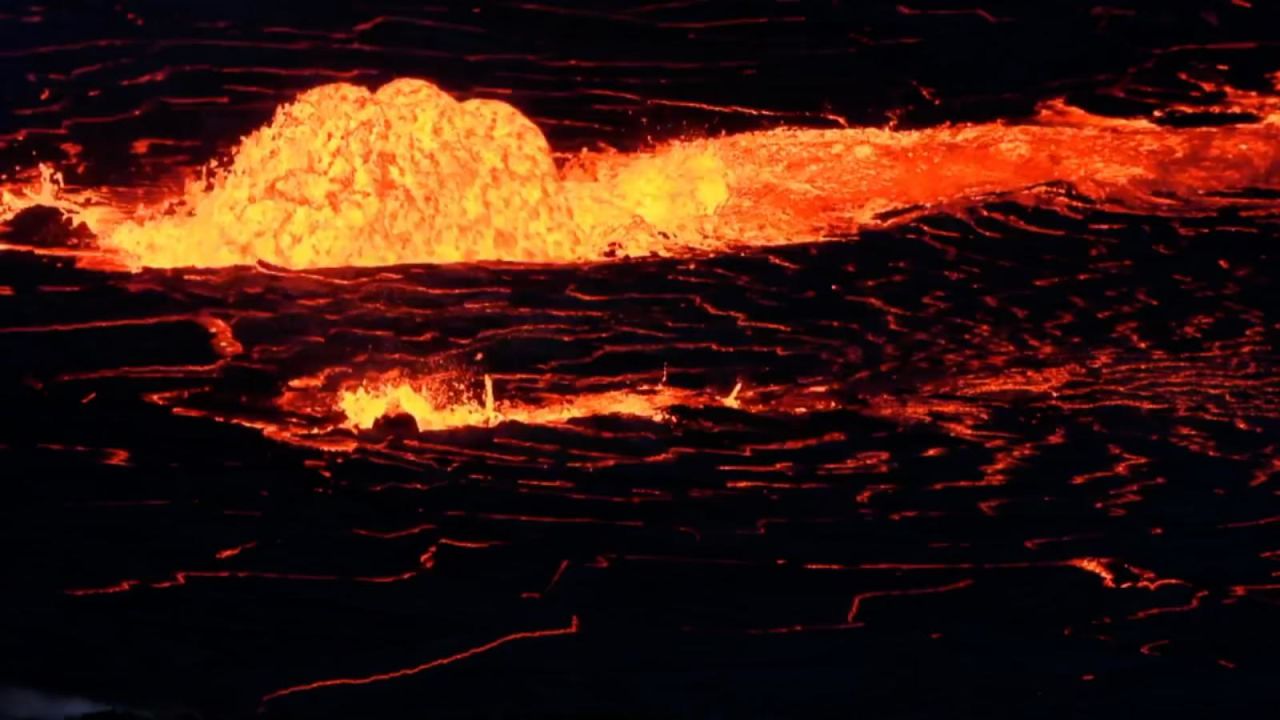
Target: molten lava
{"x": 406, "y": 174}
{"x": 435, "y": 405}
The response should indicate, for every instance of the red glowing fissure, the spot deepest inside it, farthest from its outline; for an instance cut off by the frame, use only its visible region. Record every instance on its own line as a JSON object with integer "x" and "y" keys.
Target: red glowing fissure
{"x": 572, "y": 628}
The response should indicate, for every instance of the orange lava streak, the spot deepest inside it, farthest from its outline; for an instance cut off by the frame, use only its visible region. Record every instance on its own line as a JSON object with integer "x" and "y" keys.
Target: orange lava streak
{"x": 860, "y": 597}
{"x": 234, "y": 550}
{"x": 181, "y": 577}
{"x": 406, "y": 672}
{"x": 1191, "y": 604}
{"x": 346, "y": 176}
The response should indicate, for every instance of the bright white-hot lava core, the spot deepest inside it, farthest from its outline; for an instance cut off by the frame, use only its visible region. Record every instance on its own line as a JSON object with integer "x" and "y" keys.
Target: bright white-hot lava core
{"x": 345, "y": 176}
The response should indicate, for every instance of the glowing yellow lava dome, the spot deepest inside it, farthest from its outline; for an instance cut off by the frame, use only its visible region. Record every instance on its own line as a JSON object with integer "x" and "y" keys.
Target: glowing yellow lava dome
{"x": 346, "y": 176}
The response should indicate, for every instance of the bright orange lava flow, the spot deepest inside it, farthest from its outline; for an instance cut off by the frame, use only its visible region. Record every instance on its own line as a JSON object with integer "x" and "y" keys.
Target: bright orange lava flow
{"x": 436, "y": 407}
{"x": 346, "y": 176}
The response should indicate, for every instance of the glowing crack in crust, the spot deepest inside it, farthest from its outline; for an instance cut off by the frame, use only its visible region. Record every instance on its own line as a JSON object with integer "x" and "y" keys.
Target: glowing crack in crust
{"x": 345, "y": 176}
